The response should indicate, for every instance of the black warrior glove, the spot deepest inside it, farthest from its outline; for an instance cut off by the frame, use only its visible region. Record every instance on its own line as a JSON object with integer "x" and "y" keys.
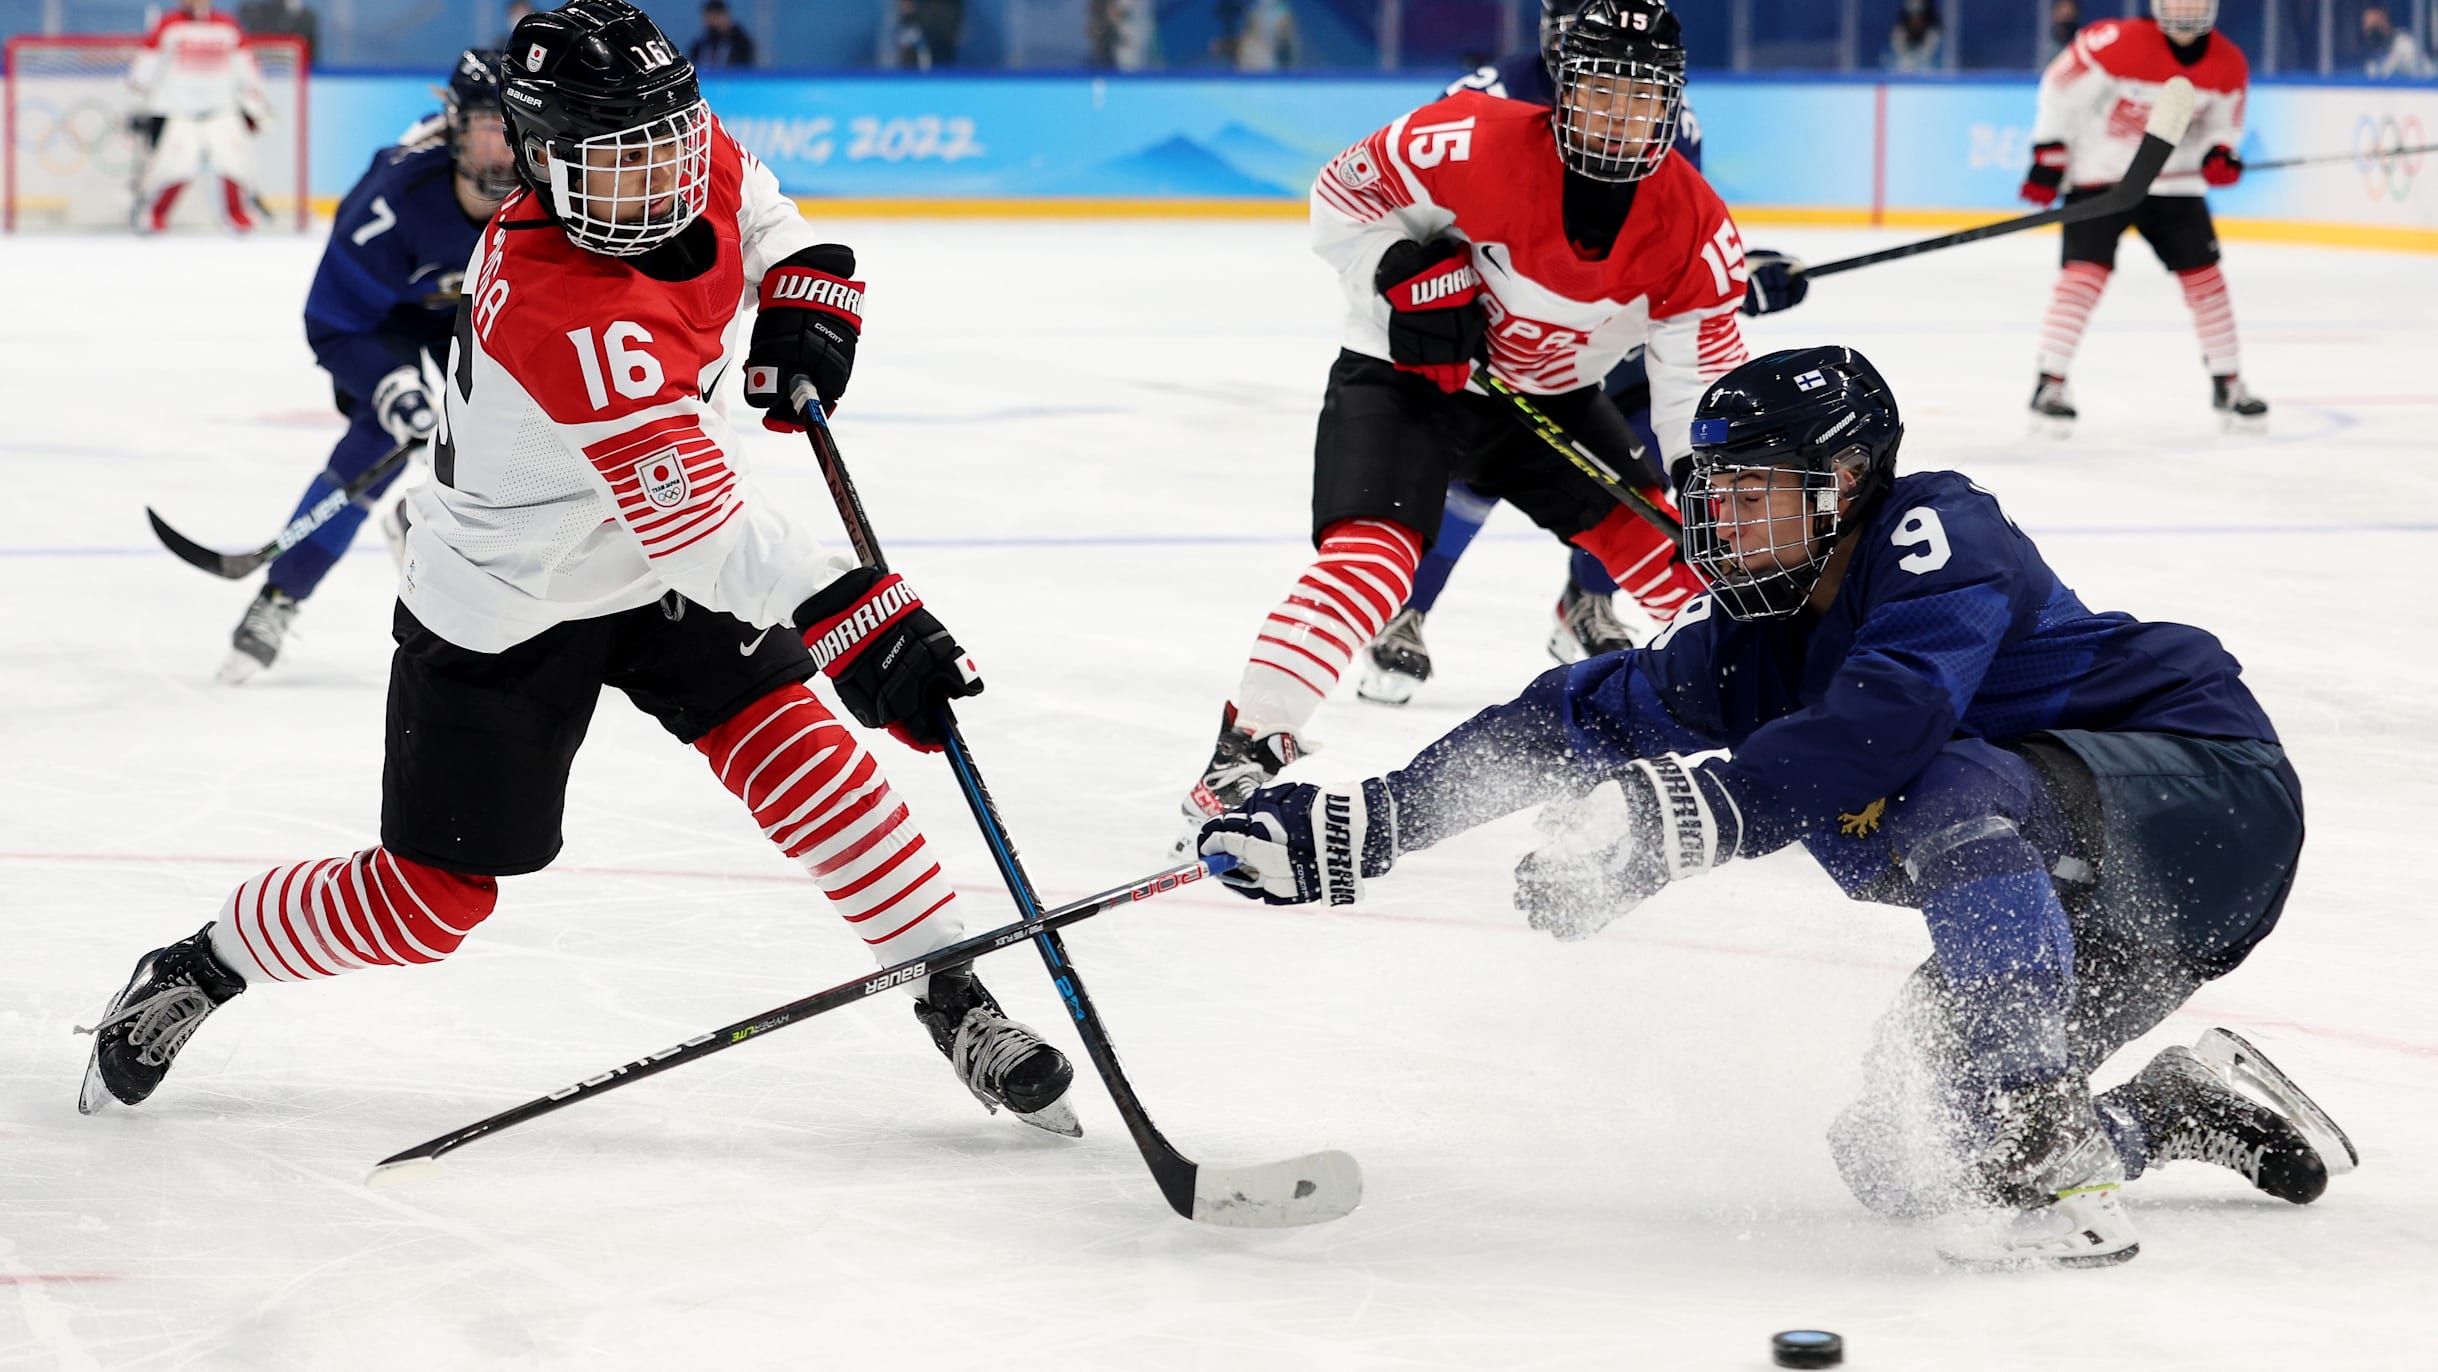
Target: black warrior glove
{"x": 812, "y": 313}
{"x": 1436, "y": 325}
{"x": 893, "y": 663}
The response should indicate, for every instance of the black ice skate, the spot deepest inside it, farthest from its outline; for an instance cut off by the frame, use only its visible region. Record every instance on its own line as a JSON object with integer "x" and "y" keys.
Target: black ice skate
{"x": 2048, "y": 1176}
{"x": 1396, "y": 663}
{"x": 2192, "y": 1114}
{"x": 2053, "y": 407}
{"x": 2239, "y": 411}
{"x": 259, "y": 635}
{"x": 1000, "y": 1061}
{"x": 1587, "y": 626}
{"x": 1240, "y": 765}
{"x": 172, "y": 992}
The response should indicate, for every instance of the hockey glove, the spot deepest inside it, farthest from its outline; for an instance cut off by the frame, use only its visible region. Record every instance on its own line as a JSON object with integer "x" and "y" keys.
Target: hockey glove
{"x": 893, "y": 663}
{"x": 1436, "y": 325}
{"x": 1294, "y": 845}
{"x": 1778, "y": 282}
{"x": 1661, "y": 821}
{"x": 2047, "y": 176}
{"x": 812, "y": 313}
{"x": 403, "y": 408}
{"x": 2221, "y": 167}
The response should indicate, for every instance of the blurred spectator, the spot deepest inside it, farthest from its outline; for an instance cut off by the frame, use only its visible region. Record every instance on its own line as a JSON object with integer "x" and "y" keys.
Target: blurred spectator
{"x": 927, "y": 32}
{"x": 1265, "y": 36}
{"x": 1913, "y": 44}
{"x": 517, "y": 9}
{"x": 2065, "y": 20}
{"x": 281, "y": 16}
{"x": 724, "y": 42}
{"x": 2393, "y": 52}
{"x": 1123, "y": 34}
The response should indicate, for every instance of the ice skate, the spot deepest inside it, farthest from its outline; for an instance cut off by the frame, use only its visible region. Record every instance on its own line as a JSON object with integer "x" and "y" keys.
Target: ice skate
{"x": 171, "y": 993}
{"x": 1000, "y": 1061}
{"x": 2239, "y": 411}
{"x": 394, "y": 522}
{"x": 1587, "y": 626}
{"x": 2244, "y": 1067}
{"x": 2053, "y": 411}
{"x": 2049, "y": 1177}
{"x": 1240, "y": 765}
{"x": 2193, "y": 1114}
{"x": 1396, "y": 663}
{"x": 259, "y": 635}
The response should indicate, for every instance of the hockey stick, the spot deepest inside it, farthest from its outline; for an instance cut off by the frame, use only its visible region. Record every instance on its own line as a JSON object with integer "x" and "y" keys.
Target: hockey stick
{"x": 1303, "y": 1190}
{"x": 2168, "y": 119}
{"x": 423, "y": 1156}
{"x": 2331, "y": 158}
{"x": 237, "y": 566}
{"x": 1586, "y": 461}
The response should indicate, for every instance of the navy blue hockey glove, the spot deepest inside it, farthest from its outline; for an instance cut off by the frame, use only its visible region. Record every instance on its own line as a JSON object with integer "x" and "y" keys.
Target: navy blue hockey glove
{"x": 893, "y": 664}
{"x": 1778, "y": 282}
{"x": 1436, "y": 324}
{"x": 1661, "y": 821}
{"x": 403, "y": 408}
{"x": 812, "y": 314}
{"x": 1295, "y": 844}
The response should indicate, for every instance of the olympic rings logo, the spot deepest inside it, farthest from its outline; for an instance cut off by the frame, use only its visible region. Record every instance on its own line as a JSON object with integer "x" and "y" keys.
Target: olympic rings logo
{"x": 65, "y": 141}
{"x": 2387, "y": 174}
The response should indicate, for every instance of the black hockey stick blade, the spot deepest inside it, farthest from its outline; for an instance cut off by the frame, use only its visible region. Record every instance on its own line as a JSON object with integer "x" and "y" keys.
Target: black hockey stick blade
{"x": 2168, "y": 119}
{"x": 1586, "y": 461}
{"x": 403, "y": 1166}
{"x": 238, "y": 566}
{"x": 2330, "y": 159}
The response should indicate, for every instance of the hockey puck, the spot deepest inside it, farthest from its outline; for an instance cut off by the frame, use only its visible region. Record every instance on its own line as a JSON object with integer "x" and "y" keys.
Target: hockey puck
{"x": 1806, "y": 1348}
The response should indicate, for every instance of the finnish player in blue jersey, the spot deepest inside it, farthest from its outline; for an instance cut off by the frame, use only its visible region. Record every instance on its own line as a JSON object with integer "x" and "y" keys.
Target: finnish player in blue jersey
{"x": 2091, "y": 812}
{"x": 384, "y": 297}
{"x": 1396, "y": 662}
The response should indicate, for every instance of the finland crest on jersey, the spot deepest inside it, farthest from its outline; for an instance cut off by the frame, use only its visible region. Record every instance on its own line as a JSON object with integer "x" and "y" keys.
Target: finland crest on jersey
{"x": 663, "y": 478}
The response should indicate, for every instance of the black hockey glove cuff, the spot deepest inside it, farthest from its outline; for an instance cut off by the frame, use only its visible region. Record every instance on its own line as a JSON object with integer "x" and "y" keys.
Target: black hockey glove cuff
{"x": 893, "y": 663}
{"x": 812, "y": 315}
{"x": 1436, "y": 325}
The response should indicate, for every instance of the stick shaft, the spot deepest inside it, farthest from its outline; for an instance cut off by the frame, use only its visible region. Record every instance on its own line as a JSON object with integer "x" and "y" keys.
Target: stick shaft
{"x": 2332, "y": 158}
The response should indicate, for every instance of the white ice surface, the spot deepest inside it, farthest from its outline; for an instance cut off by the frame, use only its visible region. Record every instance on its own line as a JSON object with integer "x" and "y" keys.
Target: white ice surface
{"x": 1088, "y": 445}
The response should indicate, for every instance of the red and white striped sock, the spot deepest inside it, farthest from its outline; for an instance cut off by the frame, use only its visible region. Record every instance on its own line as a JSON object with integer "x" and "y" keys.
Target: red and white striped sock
{"x": 2214, "y": 319}
{"x": 233, "y": 199}
{"x": 163, "y": 203}
{"x": 2077, "y": 293}
{"x": 820, "y": 797}
{"x": 1642, "y": 560}
{"x": 316, "y": 919}
{"x": 1364, "y": 572}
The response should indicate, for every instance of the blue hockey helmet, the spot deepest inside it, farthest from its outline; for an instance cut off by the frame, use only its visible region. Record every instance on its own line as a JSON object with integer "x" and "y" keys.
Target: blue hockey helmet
{"x": 1820, "y": 422}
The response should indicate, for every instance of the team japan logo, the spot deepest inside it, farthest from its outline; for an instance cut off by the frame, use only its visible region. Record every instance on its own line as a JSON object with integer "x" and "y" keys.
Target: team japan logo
{"x": 663, "y": 478}
{"x": 534, "y": 56}
{"x": 1355, "y": 169}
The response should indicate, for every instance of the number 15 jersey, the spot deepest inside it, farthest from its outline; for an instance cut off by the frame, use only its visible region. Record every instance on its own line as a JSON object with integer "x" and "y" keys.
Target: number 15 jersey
{"x": 582, "y": 466}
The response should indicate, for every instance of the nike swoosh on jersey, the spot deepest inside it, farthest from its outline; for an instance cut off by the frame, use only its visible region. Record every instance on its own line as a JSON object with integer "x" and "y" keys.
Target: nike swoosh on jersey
{"x": 746, "y": 649}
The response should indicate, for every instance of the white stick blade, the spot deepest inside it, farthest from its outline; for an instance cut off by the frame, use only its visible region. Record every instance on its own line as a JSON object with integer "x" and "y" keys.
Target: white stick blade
{"x": 406, "y": 1172}
{"x": 1312, "y": 1189}
{"x": 2169, "y": 117}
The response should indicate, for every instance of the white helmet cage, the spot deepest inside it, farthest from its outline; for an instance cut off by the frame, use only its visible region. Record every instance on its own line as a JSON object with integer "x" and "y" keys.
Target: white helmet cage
{"x": 2185, "y": 20}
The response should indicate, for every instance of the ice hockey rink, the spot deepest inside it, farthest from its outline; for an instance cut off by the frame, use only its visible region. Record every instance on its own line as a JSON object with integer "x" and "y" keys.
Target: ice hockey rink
{"x": 1088, "y": 445}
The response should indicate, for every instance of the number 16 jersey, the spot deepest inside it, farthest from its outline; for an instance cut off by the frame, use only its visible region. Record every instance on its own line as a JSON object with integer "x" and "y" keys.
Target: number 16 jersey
{"x": 582, "y": 466}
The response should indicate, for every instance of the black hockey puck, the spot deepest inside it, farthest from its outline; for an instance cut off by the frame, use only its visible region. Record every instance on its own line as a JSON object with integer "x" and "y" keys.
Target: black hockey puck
{"x": 1806, "y": 1348}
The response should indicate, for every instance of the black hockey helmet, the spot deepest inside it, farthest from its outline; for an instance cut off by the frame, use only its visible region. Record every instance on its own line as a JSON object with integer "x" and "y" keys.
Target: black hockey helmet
{"x": 608, "y": 125}
{"x": 1620, "y": 74}
{"x": 1818, "y": 414}
{"x": 474, "y": 90}
{"x": 1557, "y": 16}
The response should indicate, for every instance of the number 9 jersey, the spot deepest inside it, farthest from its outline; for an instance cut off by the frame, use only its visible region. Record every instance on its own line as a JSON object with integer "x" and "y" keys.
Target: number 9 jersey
{"x": 582, "y": 466}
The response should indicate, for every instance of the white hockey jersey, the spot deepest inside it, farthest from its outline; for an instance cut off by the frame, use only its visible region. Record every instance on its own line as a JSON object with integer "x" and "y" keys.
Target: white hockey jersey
{"x": 1487, "y": 171}
{"x": 2096, "y": 96}
{"x": 581, "y": 467}
{"x": 196, "y": 68}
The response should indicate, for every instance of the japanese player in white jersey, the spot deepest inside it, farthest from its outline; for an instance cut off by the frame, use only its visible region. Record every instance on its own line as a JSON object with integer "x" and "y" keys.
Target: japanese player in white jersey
{"x": 201, "y": 101}
{"x": 1549, "y": 242}
{"x": 592, "y": 523}
{"x": 2093, "y": 101}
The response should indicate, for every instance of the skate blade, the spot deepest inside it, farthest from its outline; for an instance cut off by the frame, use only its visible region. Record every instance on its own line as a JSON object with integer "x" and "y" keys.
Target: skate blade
{"x": 2238, "y": 424}
{"x": 2084, "y": 1229}
{"x": 1312, "y": 1189}
{"x": 237, "y": 668}
{"x": 404, "y": 1172}
{"x": 2049, "y": 426}
{"x": 2244, "y": 1067}
{"x": 1565, "y": 647}
{"x": 1386, "y": 688}
{"x": 1057, "y": 1117}
{"x": 93, "y": 1097}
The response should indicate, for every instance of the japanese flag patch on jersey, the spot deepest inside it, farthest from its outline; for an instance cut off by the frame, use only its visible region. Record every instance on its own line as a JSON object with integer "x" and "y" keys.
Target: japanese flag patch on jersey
{"x": 1355, "y": 169}
{"x": 663, "y": 478}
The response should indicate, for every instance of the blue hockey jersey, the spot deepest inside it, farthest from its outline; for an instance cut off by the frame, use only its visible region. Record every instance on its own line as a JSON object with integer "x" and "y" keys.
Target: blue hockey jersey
{"x": 388, "y": 284}
{"x": 1523, "y": 76}
{"x": 1948, "y": 625}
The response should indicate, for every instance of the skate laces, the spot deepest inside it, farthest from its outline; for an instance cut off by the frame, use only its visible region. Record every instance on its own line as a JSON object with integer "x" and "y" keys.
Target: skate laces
{"x": 163, "y": 1021}
{"x": 1592, "y": 619}
{"x": 986, "y": 1046}
{"x": 1403, "y": 635}
{"x": 268, "y": 617}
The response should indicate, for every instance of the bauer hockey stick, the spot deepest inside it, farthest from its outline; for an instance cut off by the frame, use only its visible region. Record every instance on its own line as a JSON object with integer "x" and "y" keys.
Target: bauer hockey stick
{"x": 238, "y": 566}
{"x": 1310, "y": 1189}
{"x": 2168, "y": 119}
{"x": 1586, "y": 461}
{"x": 424, "y": 1156}
{"x": 2332, "y": 158}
